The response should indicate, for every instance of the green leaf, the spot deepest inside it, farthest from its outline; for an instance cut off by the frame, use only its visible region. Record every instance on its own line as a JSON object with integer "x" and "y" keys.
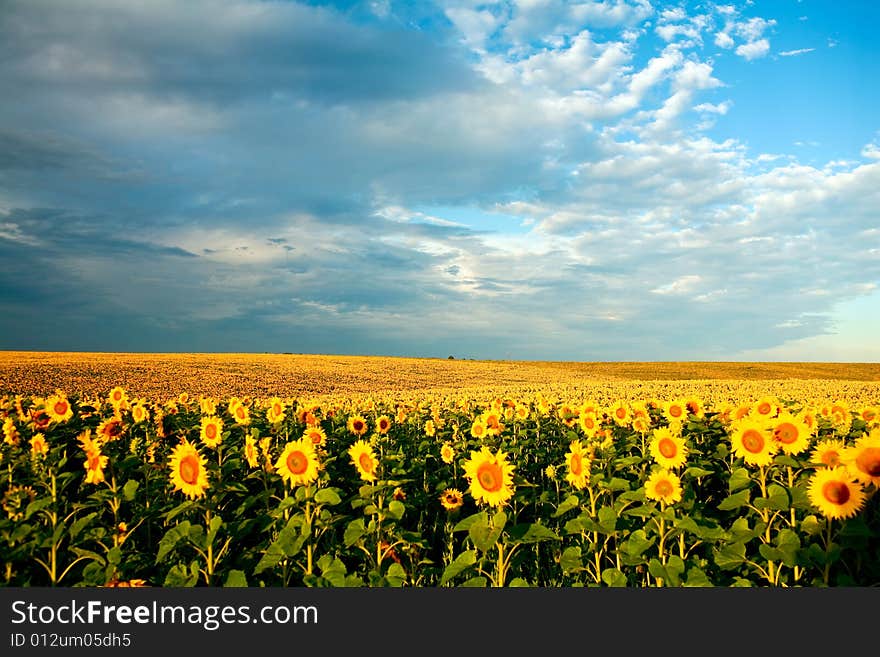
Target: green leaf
{"x": 777, "y": 499}
{"x": 180, "y": 576}
{"x": 353, "y": 532}
{"x": 532, "y": 533}
{"x": 483, "y": 535}
{"x": 607, "y": 520}
{"x": 333, "y": 570}
{"x": 114, "y": 556}
{"x": 328, "y": 496}
{"x": 616, "y": 483}
{"x": 130, "y": 488}
{"x": 789, "y": 543}
{"x": 171, "y": 538}
{"x": 613, "y": 577}
{"x": 739, "y": 478}
{"x": 694, "y": 471}
{"x": 518, "y": 582}
{"x": 637, "y": 543}
{"x": 464, "y": 524}
{"x": 571, "y": 559}
{"x": 642, "y": 511}
{"x": 213, "y": 528}
{"x": 36, "y": 505}
{"x": 479, "y": 581}
{"x": 786, "y": 460}
{"x": 810, "y": 526}
{"x": 734, "y": 501}
{"x": 80, "y": 524}
{"x": 769, "y": 552}
{"x": 696, "y": 577}
{"x": 570, "y": 502}
{"x": 462, "y": 561}
{"x": 730, "y": 556}
{"x": 236, "y": 579}
{"x": 674, "y": 569}
{"x": 180, "y": 508}
{"x": 396, "y": 509}
{"x": 396, "y": 575}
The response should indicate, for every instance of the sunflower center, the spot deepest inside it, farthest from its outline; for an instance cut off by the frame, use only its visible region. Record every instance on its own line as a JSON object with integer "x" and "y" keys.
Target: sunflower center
{"x": 297, "y": 462}
{"x": 315, "y": 437}
{"x": 358, "y": 425}
{"x": 621, "y": 413}
{"x": 869, "y": 461}
{"x": 60, "y": 407}
{"x": 786, "y": 433}
{"x": 114, "y": 429}
{"x": 753, "y": 441}
{"x": 489, "y": 476}
{"x": 831, "y": 458}
{"x": 764, "y": 409}
{"x": 189, "y": 469}
{"x": 366, "y": 462}
{"x": 577, "y": 465}
{"x": 675, "y": 411}
{"x": 663, "y": 487}
{"x": 211, "y": 431}
{"x": 836, "y": 492}
{"x": 117, "y": 396}
{"x": 276, "y": 409}
{"x": 94, "y": 461}
{"x": 478, "y": 430}
{"x": 239, "y": 411}
{"x": 667, "y": 448}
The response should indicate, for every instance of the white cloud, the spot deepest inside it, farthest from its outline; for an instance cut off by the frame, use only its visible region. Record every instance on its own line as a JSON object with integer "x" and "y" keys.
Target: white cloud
{"x": 754, "y": 49}
{"x": 799, "y": 51}
{"x": 871, "y": 151}
{"x": 720, "y": 108}
{"x": 724, "y": 40}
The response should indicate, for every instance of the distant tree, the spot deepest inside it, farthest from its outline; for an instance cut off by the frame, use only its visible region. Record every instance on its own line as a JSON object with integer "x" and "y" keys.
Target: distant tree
{"x": 451, "y": 358}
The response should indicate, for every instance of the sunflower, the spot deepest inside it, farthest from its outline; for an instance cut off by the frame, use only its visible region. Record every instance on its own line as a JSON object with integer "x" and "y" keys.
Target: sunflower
{"x": 364, "y": 460}
{"x": 94, "y": 465}
{"x": 357, "y": 424}
{"x": 451, "y": 499}
{"x": 118, "y": 398}
{"x": 478, "y": 428}
{"x": 668, "y": 449}
{"x": 675, "y": 410}
{"x": 383, "y": 424}
{"x": 16, "y": 500}
{"x": 39, "y": 446}
{"x": 447, "y": 453}
{"x": 766, "y": 407}
{"x": 275, "y": 412}
{"x": 663, "y": 486}
{"x": 694, "y": 406}
{"x": 521, "y": 412}
{"x": 621, "y": 413}
{"x": 870, "y": 415}
{"x": 827, "y": 453}
{"x": 808, "y": 417}
{"x": 188, "y": 473}
{"x": 10, "y": 433}
{"x": 251, "y": 454}
{"x": 577, "y": 462}
{"x": 792, "y": 435}
{"x": 315, "y": 435}
{"x": 265, "y": 447}
{"x": 110, "y": 429}
{"x": 207, "y": 406}
{"x": 298, "y": 463}
{"x": 863, "y": 458}
{"x": 492, "y": 421}
{"x": 752, "y": 440}
{"x": 58, "y": 408}
{"x": 139, "y": 413}
{"x": 589, "y": 424}
{"x": 835, "y": 492}
{"x": 490, "y": 476}
{"x": 239, "y": 412}
{"x": 430, "y": 430}
{"x": 212, "y": 431}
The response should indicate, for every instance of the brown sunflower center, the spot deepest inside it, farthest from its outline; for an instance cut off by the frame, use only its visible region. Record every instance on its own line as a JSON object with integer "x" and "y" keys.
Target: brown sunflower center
{"x": 836, "y": 492}
{"x": 211, "y": 431}
{"x": 868, "y": 461}
{"x": 358, "y": 426}
{"x": 753, "y": 441}
{"x": 60, "y": 407}
{"x": 663, "y": 488}
{"x": 297, "y": 462}
{"x": 189, "y": 469}
{"x": 315, "y": 437}
{"x": 667, "y": 448}
{"x": 239, "y": 411}
{"x": 489, "y": 476}
{"x": 577, "y": 465}
{"x": 786, "y": 433}
{"x": 366, "y": 462}
{"x": 831, "y": 458}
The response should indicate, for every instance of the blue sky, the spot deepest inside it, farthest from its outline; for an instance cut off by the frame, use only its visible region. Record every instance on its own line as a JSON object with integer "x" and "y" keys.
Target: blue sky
{"x": 599, "y": 180}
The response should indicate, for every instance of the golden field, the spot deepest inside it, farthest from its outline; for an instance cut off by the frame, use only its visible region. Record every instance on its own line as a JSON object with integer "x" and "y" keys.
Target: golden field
{"x": 152, "y": 376}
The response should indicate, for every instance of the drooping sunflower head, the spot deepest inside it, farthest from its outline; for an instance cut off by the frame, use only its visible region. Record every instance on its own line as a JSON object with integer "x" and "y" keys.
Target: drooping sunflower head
{"x": 668, "y": 449}
{"x": 451, "y": 499}
{"x": 790, "y": 433}
{"x": 357, "y": 424}
{"x": 663, "y": 486}
{"x": 94, "y": 465}
{"x": 16, "y": 500}
{"x": 364, "y": 460}
{"x": 695, "y": 407}
{"x": 110, "y": 429}
{"x": 298, "y": 463}
{"x": 251, "y": 451}
{"x": 753, "y": 441}
{"x": 490, "y": 476}
{"x": 211, "y": 431}
{"x": 188, "y": 470}
{"x": 577, "y": 464}
{"x": 863, "y": 458}
{"x": 836, "y": 493}
{"x": 10, "y": 432}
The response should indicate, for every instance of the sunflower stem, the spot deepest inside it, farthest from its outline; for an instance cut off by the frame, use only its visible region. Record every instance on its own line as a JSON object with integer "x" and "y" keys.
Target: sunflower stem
{"x": 826, "y": 575}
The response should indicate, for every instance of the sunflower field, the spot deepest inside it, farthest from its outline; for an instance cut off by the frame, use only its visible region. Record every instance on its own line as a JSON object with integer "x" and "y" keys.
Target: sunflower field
{"x": 438, "y": 491}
